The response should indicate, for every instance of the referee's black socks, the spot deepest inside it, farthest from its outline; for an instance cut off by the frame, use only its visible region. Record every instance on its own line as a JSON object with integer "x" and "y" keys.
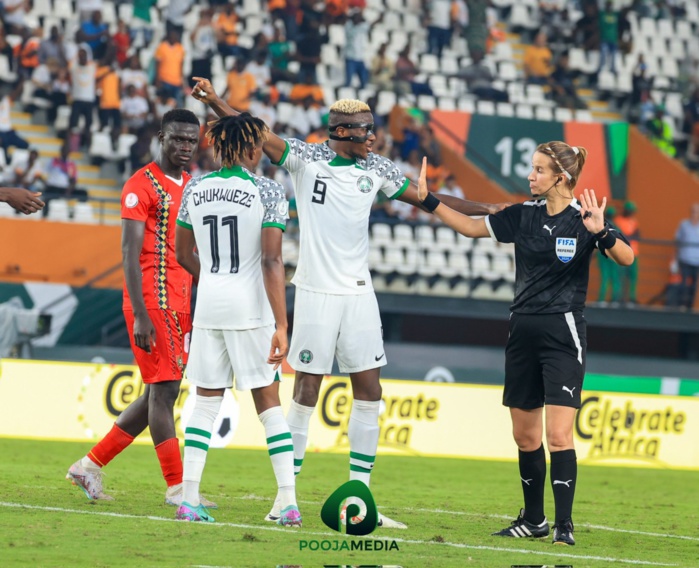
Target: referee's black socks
{"x": 564, "y": 475}
{"x": 532, "y": 472}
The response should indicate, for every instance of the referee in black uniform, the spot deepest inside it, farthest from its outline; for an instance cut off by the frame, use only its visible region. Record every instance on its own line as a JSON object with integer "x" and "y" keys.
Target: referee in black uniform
{"x": 554, "y": 237}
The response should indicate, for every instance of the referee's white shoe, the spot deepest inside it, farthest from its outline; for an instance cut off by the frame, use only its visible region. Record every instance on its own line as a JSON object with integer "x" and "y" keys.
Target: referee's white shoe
{"x": 521, "y": 528}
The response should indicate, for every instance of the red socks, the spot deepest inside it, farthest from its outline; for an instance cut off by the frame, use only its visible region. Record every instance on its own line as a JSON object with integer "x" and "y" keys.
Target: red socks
{"x": 170, "y": 461}
{"x": 110, "y": 446}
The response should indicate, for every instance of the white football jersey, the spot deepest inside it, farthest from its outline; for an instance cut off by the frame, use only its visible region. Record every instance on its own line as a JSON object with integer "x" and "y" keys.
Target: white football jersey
{"x": 227, "y": 211}
{"x": 333, "y": 198}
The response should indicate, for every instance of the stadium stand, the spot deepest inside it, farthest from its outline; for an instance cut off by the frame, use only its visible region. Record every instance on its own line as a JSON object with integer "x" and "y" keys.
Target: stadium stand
{"x": 655, "y": 83}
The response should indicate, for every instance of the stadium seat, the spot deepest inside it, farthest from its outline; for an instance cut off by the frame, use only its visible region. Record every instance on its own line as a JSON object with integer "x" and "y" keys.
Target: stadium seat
{"x": 464, "y": 243}
{"x": 435, "y": 263}
{"x": 336, "y": 35}
{"x": 445, "y": 238}
{"x": 458, "y": 265}
{"x": 507, "y": 71}
{"x": 59, "y": 210}
{"x": 683, "y": 29}
{"x": 647, "y": 27}
{"x": 447, "y": 103}
{"x": 409, "y": 265}
{"x": 426, "y": 103}
{"x": 486, "y": 107}
{"x": 403, "y": 235}
{"x": 83, "y": 213}
{"x": 347, "y": 93}
{"x": 290, "y": 251}
{"x": 425, "y": 237}
{"x": 563, "y": 114}
{"x": 6, "y": 210}
{"x": 381, "y": 234}
{"x": 466, "y": 105}
{"x": 543, "y": 113}
{"x": 524, "y": 111}
{"x": 624, "y": 83}
{"x": 375, "y": 257}
{"x": 449, "y": 65}
{"x": 392, "y": 259}
{"x": 386, "y": 102}
{"x": 505, "y": 109}
{"x": 19, "y": 157}
{"x": 584, "y": 115}
{"x": 606, "y": 81}
{"x": 429, "y": 63}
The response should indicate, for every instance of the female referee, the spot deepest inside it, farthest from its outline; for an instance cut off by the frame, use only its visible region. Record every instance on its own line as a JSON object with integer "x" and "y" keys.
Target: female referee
{"x": 554, "y": 237}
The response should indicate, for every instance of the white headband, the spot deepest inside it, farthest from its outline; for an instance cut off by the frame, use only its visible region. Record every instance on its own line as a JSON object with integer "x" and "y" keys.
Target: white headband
{"x": 563, "y": 170}
{"x": 576, "y": 150}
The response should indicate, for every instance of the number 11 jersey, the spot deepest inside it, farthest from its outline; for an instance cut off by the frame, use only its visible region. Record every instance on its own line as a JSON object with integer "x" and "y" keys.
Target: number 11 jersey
{"x": 227, "y": 211}
{"x": 334, "y": 197}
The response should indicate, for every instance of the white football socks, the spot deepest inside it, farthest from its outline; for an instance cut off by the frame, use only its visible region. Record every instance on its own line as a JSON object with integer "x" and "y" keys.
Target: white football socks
{"x": 298, "y": 418}
{"x": 197, "y": 437}
{"x": 363, "y": 434}
{"x": 281, "y": 453}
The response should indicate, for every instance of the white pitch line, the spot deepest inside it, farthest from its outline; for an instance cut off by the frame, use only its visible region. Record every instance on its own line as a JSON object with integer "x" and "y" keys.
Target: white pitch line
{"x": 338, "y": 535}
{"x": 491, "y": 516}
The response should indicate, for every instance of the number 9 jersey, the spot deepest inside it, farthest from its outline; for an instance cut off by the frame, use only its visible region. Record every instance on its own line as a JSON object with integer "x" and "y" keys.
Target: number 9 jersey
{"x": 334, "y": 197}
{"x": 227, "y": 210}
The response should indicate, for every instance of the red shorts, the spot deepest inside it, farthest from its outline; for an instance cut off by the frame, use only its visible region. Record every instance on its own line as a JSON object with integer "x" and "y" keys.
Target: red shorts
{"x": 168, "y": 356}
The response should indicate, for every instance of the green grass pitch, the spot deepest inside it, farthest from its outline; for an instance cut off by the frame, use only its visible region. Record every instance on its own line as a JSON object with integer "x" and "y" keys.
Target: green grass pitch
{"x": 623, "y": 516}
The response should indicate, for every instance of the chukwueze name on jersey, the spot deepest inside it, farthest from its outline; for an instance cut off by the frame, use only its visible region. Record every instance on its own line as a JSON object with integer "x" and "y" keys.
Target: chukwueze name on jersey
{"x": 223, "y": 194}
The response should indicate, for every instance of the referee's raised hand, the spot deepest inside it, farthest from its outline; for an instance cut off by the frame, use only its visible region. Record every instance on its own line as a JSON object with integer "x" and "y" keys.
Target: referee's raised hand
{"x": 592, "y": 214}
{"x": 422, "y": 190}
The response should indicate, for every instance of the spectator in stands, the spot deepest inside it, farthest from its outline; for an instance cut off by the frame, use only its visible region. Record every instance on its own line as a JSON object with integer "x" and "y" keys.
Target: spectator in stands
{"x": 450, "y": 187}
{"x": 477, "y": 31}
{"x": 305, "y": 118}
{"x": 28, "y": 55}
{"x": 203, "y": 38}
{"x": 641, "y": 86}
{"x": 406, "y": 72}
{"x": 309, "y": 18}
{"x": 8, "y": 136}
{"x": 86, "y": 8}
{"x": 122, "y": 42}
{"x": 308, "y": 47}
{"x": 62, "y": 178}
{"x": 169, "y": 58}
{"x": 279, "y": 53}
{"x": 109, "y": 90}
{"x": 562, "y": 85}
{"x": 429, "y": 146}
{"x": 29, "y": 172}
{"x": 692, "y": 156}
{"x": 562, "y": 29}
{"x": 538, "y": 61}
{"x": 14, "y": 14}
{"x": 587, "y": 31}
{"x": 479, "y": 79}
{"x": 336, "y": 11}
{"x": 175, "y": 11}
{"x": 240, "y": 86}
{"x": 459, "y": 17}
{"x": 95, "y": 33}
{"x": 628, "y": 225}
{"x": 659, "y": 129}
{"x": 47, "y": 87}
{"x": 52, "y": 47}
{"x": 356, "y": 47}
{"x": 439, "y": 26}
{"x": 609, "y": 36}
{"x": 83, "y": 75}
{"x": 162, "y": 104}
{"x": 687, "y": 238}
{"x": 134, "y": 75}
{"x": 625, "y": 33}
{"x": 141, "y": 152}
{"x": 302, "y": 91}
{"x": 261, "y": 106}
{"x": 259, "y": 69}
{"x": 141, "y": 27}
{"x": 134, "y": 110}
{"x": 383, "y": 69}
{"x": 225, "y": 26}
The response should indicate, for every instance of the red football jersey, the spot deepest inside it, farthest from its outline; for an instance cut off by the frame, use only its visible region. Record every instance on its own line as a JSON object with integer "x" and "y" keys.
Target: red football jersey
{"x": 153, "y": 198}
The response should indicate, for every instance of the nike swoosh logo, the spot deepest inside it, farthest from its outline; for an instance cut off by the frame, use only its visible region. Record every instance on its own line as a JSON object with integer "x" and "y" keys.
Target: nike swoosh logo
{"x": 318, "y": 176}
{"x": 379, "y": 357}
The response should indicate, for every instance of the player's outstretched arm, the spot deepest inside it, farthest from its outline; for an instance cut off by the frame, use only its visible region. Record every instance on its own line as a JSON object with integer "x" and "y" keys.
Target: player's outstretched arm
{"x": 410, "y": 195}
{"x": 21, "y": 199}
{"x": 185, "y": 243}
{"x": 275, "y": 286}
{"x": 132, "y": 233}
{"x": 457, "y": 221}
{"x": 204, "y": 91}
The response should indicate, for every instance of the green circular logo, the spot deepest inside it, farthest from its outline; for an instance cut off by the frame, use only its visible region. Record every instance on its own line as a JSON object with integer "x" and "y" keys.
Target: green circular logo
{"x": 364, "y": 184}
{"x": 306, "y": 356}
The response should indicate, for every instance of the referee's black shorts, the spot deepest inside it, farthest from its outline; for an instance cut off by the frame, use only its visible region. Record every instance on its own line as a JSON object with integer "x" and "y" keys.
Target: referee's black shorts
{"x": 545, "y": 360}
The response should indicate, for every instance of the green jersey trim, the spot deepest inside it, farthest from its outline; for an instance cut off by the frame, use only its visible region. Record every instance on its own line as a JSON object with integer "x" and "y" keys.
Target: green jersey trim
{"x": 284, "y": 155}
{"x": 274, "y": 225}
{"x": 401, "y": 191}
{"x": 185, "y": 225}
{"x": 234, "y": 171}
{"x": 341, "y": 161}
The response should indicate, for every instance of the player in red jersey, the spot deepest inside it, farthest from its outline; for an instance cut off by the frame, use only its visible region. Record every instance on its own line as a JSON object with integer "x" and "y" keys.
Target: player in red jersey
{"x": 157, "y": 295}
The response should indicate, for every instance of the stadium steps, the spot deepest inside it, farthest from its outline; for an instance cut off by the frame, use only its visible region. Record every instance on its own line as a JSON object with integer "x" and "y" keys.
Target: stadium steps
{"x": 99, "y": 188}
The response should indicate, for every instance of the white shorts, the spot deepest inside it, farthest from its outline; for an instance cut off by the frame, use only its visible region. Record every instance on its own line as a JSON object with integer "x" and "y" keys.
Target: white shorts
{"x": 215, "y": 356}
{"x": 328, "y": 325}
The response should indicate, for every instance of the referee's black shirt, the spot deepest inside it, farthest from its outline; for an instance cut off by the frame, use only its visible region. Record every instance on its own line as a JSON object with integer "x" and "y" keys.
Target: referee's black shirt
{"x": 552, "y": 256}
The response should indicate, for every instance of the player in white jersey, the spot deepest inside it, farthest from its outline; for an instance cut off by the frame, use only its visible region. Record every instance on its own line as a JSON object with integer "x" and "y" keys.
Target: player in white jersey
{"x": 235, "y": 220}
{"x": 336, "y": 313}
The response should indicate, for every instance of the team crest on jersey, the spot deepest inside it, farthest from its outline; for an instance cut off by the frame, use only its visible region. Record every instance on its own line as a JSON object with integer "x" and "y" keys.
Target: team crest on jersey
{"x": 364, "y": 184}
{"x": 306, "y": 356}
{"x": 565, "y": 248}
{"x": 131, "y": 200}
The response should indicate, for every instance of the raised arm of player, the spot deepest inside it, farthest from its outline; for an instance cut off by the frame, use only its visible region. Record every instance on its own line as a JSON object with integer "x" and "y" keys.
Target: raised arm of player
{"x": 185, "y": 244}
{"x": 204, "y": 91}
{"x": 21, "y": 199}
{"x": 457, "y": 221}
{"x": 410, "y": 195}
{"x": 132, "y": 233}
{"x": 275, "y": 286}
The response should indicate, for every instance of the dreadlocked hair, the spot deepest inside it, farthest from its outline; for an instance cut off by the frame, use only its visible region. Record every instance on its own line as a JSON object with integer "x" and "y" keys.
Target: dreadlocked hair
{"x": 569, "y": 160}
{"x": 232, "y": 136}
